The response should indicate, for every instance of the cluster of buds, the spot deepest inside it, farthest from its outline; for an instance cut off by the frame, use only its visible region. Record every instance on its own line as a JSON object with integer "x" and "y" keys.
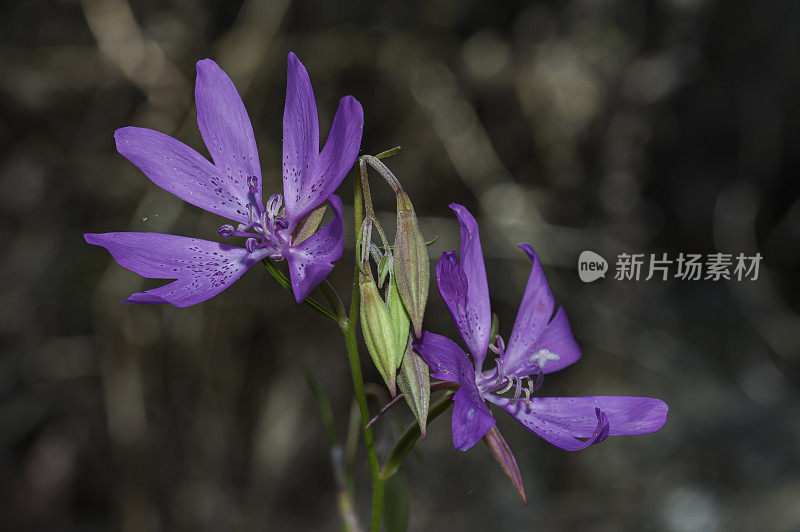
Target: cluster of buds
{"x": 391, "y": 321}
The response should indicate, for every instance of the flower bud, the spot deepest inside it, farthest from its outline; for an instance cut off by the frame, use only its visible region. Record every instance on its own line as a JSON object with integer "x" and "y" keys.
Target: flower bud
{"x": 400, "y": 320}
{"x": 415, "y": 383}
{"x": 411, "y": 265}
{"x": 385, "y": 326}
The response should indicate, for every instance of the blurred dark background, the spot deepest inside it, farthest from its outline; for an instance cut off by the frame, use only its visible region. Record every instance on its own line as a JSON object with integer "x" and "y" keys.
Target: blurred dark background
{"x": 616, "y": 126}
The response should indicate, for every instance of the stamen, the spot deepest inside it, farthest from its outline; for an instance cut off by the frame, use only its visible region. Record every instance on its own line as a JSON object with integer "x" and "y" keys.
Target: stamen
{"x": 245, "y": 227}
{"x": 539, "y": 380}
{"x": 252, "y": 184}
{"x": 274, "y": 205}
{"x": 251, "y": 244}
{"x": 528, "y": 392}
{"x": 226, "y": 230}
{"x": 501, "y": 345}
{"x": 508, "y": 386}
{"x": 282, "y": 222}
{"x": 517, "y": 391}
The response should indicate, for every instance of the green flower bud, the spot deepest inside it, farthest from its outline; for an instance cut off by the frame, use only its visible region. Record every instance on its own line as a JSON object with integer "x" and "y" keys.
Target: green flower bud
{"x": 385, "y": 326}
{"x": 411, "y": 265}
{"x": 415, "y": 383}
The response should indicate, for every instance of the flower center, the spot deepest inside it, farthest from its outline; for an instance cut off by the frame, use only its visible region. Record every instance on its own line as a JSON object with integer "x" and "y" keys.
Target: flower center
{"x": 264, "y": 229}
{"x": 497, "y": 382}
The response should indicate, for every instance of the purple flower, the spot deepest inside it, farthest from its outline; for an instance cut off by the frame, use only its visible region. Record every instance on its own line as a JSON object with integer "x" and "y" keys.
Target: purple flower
{"x": 540, "y": 343}
{"x": 231, "y": 187}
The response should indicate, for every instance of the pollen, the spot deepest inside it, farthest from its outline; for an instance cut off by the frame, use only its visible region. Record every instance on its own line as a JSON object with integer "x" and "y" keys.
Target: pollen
{"x": 542, "y": 357}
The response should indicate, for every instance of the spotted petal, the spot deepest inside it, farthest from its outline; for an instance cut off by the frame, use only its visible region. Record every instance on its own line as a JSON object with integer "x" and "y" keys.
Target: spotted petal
{"x": 179, "y": 169}
{"x": 227, "y": 131}
{"x": 203, "y": 269}
{"x": 311, "y": 261}
{"x": 561, "y": 420}
{"x": 471, "y": 418}
{"x": 537, "y": 341}
{"x": 463, "y": 286}
{"x": 308, "y": 177}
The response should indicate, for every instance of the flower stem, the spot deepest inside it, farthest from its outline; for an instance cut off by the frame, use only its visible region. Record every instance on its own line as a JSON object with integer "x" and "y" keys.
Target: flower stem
{"x": 287, "y": 285}
{"x": 349, "y": 330}
{"x": 333, "y": 299}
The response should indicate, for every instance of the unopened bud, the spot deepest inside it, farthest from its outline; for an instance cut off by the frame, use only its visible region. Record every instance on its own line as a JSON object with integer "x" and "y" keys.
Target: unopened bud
{"x": 379, "y": 331}
{"x": 415, "y": 383}
{"x": 411, "y": 265}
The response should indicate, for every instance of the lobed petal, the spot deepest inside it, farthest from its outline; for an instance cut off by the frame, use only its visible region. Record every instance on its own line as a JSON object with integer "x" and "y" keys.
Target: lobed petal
{"x": 471, "y": 417}
{"x": 179, "y": 169}
{"x": 202, "y": 269}
{"x": 560, "y": 420}
{"x": 464, "y": 288}
{"x": 311, "y": 260}
{"x": 308, "y": 177}
{"x": 227, "y": 131}
{"x": 537, "y": 341}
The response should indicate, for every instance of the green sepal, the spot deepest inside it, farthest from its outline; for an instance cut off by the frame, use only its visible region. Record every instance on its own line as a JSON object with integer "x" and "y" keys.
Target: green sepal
{"x": 378, "y": 330}
{"x": 400, "y": 321}
{"x": 411, "y": 264}
{"x": 415, "y": 383}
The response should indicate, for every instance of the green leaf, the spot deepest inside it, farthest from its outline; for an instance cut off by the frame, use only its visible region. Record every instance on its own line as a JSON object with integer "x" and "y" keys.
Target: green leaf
{"x": 388, "y": 153}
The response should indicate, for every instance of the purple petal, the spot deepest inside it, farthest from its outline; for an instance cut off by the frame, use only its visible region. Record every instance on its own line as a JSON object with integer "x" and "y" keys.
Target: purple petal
{"x": 300, "y": 135}
{"x": 464, "y": 288}
{"x": 536, "y": 341}
{"x": 308, "y": 177}
{"x": 203, "y": 269}
{"x": 337, "y": 157}
{"x": 559, "y": 420}
{"x": 444, "y": 357}
{"x": 311, "y": 261}
{"x": 471, "y": 417}
{"x": 179, "y": 169}
{"x": 227, "y": 131}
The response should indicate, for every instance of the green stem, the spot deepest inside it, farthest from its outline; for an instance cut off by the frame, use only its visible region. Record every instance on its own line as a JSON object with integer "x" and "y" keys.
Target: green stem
{"x": 358, "y": 380}
{"x": 333, "y": 299}
{"x": 287, "y": 285}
